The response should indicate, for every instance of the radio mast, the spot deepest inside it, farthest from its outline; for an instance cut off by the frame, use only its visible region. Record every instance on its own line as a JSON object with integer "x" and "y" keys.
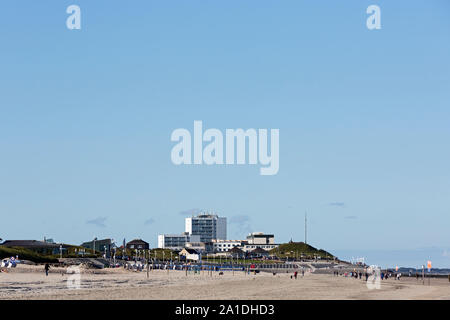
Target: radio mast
{"x": 306, "y": 229}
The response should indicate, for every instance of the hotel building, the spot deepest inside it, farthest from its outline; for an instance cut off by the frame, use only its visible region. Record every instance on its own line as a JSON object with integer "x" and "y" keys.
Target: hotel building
{"x": 207, "y": 226}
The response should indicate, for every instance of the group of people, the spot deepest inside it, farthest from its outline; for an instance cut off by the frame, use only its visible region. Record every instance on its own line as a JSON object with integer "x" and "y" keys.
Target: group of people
{"x": 352, "y": 274}
{"x": 356, "y": 275}
{"x": 6, "y": 264}
{"x": 387, "y": 275}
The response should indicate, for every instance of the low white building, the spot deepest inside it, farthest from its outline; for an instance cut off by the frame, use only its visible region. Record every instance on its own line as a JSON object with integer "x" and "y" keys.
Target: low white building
{"x": 259, "y": 240}
{"x": 251, "y": 247}
{"x": 226, "y": 245}
{"x": 254, "y": 240}
{"x": 176, "y": 241}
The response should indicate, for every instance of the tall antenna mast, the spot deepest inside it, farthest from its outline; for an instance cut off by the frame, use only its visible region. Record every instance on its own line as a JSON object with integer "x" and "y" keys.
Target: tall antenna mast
{"x": 306, "y": 229}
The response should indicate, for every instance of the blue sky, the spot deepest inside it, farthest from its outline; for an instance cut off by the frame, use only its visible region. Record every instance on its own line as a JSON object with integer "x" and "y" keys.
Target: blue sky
{"x": 86, "y": 117}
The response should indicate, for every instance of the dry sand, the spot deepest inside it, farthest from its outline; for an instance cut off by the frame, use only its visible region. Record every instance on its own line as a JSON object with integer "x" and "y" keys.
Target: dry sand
{"x": 30, "y": 282}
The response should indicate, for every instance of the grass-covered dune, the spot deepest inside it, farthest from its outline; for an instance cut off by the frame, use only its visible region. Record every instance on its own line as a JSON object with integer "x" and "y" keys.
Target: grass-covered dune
{"x": 297, "y": 249}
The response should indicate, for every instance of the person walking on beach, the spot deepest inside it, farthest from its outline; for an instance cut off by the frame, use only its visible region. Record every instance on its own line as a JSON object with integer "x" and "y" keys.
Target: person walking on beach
{"x": 295, "y": 275}
{"x": 47, "y": 267}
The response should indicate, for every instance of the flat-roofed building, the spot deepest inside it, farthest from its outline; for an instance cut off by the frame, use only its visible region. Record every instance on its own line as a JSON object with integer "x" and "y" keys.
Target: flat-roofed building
{"x": 176, "y": 241}
{"x": 260, "y": 238}
{"x": 251, "y": 247}
{"x": 207, "y": 226}
{"x": 227, "y": 245}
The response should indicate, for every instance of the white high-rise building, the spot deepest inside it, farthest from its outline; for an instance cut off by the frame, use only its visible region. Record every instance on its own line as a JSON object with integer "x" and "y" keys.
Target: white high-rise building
{"x": 207, "y": 226}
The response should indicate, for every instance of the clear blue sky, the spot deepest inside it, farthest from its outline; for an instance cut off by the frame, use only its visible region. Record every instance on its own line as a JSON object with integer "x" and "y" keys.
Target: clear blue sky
{"x": 86, "y": 117}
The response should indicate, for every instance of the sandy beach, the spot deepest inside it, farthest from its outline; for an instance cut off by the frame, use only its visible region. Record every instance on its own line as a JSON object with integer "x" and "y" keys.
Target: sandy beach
{"x": 30, "y": 282}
